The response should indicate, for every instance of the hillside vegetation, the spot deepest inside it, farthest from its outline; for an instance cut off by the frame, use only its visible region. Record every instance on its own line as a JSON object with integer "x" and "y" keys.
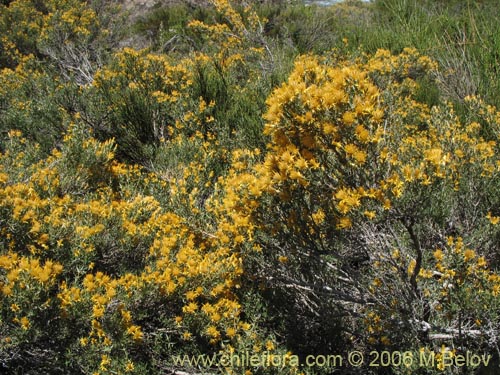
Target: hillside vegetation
{"x": 187, "y": 188}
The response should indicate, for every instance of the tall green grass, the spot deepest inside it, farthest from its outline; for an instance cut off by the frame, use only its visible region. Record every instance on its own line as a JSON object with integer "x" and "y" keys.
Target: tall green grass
{"x": 463, "y": 36}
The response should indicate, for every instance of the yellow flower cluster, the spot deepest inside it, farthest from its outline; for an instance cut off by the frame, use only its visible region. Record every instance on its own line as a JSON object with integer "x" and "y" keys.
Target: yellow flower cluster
{"x": 116, "y": 246}
{"x": 34, "y": 26}
{"x": 334, "y": 118}
{"x": 19, "y": 271}
{"x": 164, "y": 88}
{"x": 232, "y": 41}
{"x": 326, "y": 119}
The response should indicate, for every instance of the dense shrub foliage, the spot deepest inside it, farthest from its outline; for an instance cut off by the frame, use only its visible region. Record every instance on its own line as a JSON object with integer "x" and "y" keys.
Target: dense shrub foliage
{"x": 228, "y": 192}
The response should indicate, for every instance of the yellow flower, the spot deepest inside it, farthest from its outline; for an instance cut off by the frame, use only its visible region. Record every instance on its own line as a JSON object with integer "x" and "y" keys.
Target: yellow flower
{"x": 362, "y": 133}
{"x": 105, "y": 360}
{"x": 135, "y": 332}
{"x": 469, "y": 254}
{"x": 230, "y": 332}
{"x": 25, "y": 323}
{"x": 370, "y": 214}
{"x": 493, "y": 219}
{"x": 387, "y": 204}
{"x": 411, "y": 266}
{"x": 434, "y": 155}
{"x": 7, "y": 290}
{"x": 190, "y": 308}
{"x": 350, "y": 149}
{"x": 348, "y": 118}
{"x": 377, "y": 115}
{"x": 283, "y": 259}
{"x": 359, "y": 156}
{"x": 213, "y": 332}
{"x": 191, "y": 295}
{"x": 215, "y": 317}
{"x": 344, "y": 223}
{"x": 129, "y": 367}
{"x": 438, "y": 255}
{"x": 269, "y": 345}
{"x": 495, "y": 290}
{"x": 98, "y": 311}
{"x": 318, "y": 217}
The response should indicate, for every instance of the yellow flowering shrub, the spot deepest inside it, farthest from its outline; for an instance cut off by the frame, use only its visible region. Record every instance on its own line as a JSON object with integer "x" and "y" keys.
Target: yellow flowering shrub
{"x": 146, "y": 99}
{"x": 71, "y": 33}
{"x": 84, "y": 243}
{"x": 356, "y": 167}
{"x": 32, "y": 99}
{"x": 234, "y": 39}
{"x": 142, "y": 214}
{"x": 48, "y": 51}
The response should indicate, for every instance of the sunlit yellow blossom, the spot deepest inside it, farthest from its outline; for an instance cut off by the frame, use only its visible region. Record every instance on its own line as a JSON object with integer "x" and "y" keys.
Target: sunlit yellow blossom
{"x": 129, "y": 366}
{"x": 283, "y": 259}
{"x": 213, "y": 332}
{"x": 269, "y": 345}
{"x": 105, "y": 361}
{"x": 469, "y": 254}
{"x": 25, "y": 323}
{"x": 135, "y": 332}
{"x": 230, "y": 332}
{"x": 435, "y": 155}
{"x": 493, "y": 219}
{"x": 190, "y": 308}
{"x": 438, "y": 255}
{"x": 344, "y": 223}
